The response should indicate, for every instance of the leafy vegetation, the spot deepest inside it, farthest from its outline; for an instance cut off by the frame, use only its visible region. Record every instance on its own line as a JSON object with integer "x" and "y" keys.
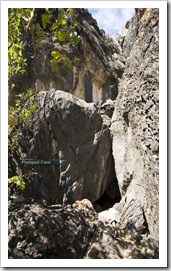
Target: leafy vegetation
{"x": 20, "y": 19}
{"x": 25, "y": 106}
{"x": 19, "y": 181}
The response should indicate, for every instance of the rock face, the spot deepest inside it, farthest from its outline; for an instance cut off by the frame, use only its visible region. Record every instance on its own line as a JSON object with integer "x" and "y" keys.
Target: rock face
{"x": 135, "y": 123}
{"x": 108, "y": 152}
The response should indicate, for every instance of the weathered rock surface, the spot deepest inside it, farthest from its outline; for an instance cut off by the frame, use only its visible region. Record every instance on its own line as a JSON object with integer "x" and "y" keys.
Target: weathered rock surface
{"x": 40, "y": 231}
{"x": 127, "y": 35}
{"x": 71, "y": 130}
{"x": 135, "y": 124}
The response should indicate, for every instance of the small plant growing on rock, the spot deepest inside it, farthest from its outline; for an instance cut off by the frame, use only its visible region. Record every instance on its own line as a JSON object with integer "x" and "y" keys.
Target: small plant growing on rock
{"x": 19, "y": 181}
{"x": 24, "y": 108}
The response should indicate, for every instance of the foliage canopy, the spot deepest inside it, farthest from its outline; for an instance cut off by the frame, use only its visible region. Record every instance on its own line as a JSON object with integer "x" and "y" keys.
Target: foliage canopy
{"x": 27, "y": 19}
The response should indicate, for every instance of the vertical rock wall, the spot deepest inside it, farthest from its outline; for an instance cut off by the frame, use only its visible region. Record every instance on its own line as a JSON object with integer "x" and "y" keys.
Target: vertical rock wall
{"x": 135, "y": 123}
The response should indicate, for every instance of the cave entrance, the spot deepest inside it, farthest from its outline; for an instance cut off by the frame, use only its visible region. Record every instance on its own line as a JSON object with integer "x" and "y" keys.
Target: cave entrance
{"x": 111, "y": 195}
{"x": 109, "y": 198}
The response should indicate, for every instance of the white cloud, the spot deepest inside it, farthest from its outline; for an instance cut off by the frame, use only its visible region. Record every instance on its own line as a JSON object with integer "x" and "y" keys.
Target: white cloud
{"x": 111, "y": 19}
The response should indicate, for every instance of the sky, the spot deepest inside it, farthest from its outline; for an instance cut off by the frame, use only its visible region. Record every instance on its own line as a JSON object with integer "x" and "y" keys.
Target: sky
{"x": 111, "y": 19}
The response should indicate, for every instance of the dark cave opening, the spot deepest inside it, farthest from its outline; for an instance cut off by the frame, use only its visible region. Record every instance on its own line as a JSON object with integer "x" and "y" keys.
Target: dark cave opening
{"x": 105, "y": 202}
{"x": 109, "y": 198}
{"x": 111, "y": 195}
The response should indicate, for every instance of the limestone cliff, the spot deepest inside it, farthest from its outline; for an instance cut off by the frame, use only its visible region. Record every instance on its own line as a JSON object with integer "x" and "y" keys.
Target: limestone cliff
{"x": 108, "y": 152}
{"x": 135, "y": 121}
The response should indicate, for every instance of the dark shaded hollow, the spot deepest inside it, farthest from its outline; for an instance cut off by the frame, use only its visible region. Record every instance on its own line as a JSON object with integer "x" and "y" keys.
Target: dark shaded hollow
{"x": 125, "y": 116}
{"x": 88, "y": 89}
{"x": 111, "y": 195}
{"x": 105, "y": 202}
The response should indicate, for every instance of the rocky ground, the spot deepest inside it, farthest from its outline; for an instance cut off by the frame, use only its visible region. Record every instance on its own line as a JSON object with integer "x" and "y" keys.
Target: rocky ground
{"x": 42, "y": 231}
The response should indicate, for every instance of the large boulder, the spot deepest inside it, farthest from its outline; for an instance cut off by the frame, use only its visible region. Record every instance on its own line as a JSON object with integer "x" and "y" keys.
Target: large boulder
{"x": 73, "y": 131}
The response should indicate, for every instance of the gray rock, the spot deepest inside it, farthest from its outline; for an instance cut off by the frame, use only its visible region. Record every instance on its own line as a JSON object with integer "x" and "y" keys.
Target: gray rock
{"x": 135, "y": 126}
{"x": 71, "y": 130}
{"x": 130, "y": 36}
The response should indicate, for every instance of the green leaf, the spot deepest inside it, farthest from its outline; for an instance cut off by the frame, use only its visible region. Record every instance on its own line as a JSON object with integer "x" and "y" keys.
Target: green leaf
{"x": 18, "y": 181}
{"x": 17, "y": 23}
{"x": 18, "y": 15}
{"x": 65, "y": 58}
{"x": 39, "y": 42}
{"x": 22, "y": 186}
{"x": 75, "y": 40}
{"x": 64, "y": 22}
{"x": 39, "y": 30}
{"x": 26, "y": 114}
{"x": 70, "y": 66}
{"x": 60, "y": 17}
{"x": 61, "y": 35}
{"x": 75, "y": 24}
{"x": 17, "y": 46}
{"x": 53, "y": 61}
{"x": 69, "y": 10}
{"x": 54, "y": 26}
{"x": 55, "y": 54}
{"x": 45, "y": 20}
